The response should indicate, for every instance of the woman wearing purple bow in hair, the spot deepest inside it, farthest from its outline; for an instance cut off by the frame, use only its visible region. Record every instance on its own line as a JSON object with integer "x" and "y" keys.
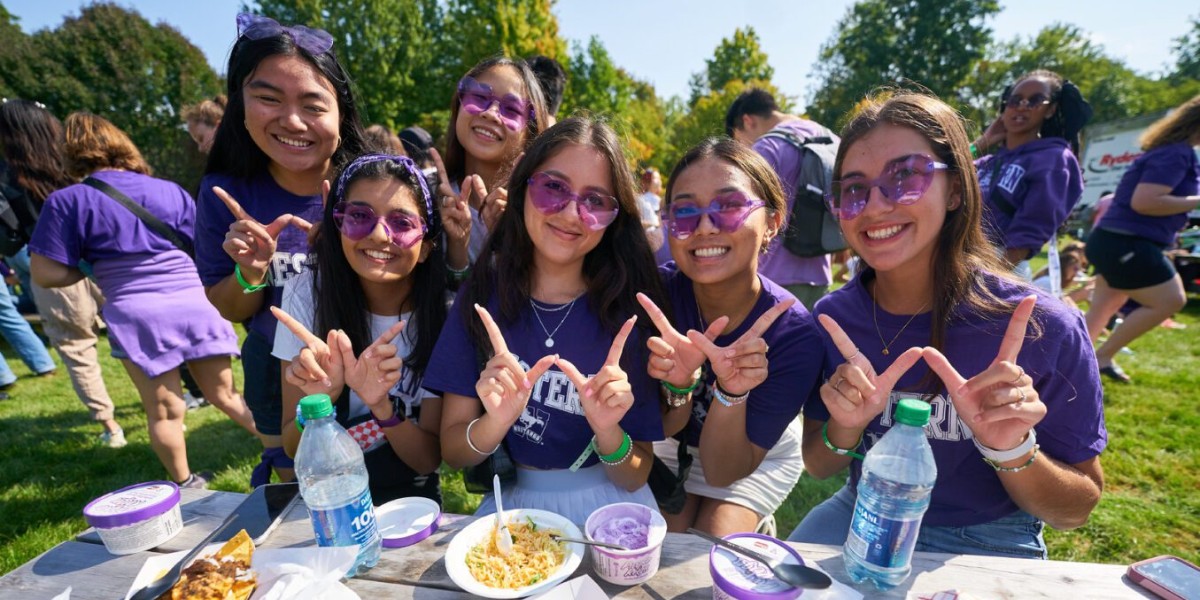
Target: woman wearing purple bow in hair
{"x": 291, "y": 121}
{"x": 360, "y": 325}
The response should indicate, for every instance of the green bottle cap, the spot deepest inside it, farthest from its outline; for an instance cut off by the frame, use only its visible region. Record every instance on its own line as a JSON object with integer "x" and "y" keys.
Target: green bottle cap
{"x": 909, "y": 411}
{"x": 319, "y": 406}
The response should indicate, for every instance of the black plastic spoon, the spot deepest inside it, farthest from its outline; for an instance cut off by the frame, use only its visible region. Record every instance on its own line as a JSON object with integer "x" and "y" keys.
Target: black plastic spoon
{"x": 797, "y": 575}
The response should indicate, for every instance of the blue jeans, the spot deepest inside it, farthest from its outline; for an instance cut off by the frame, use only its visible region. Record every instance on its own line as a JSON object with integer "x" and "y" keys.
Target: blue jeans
{"x": 20, "y": 265}
{"x": 1018, "y": 535}
{"x": 21, "y": 337}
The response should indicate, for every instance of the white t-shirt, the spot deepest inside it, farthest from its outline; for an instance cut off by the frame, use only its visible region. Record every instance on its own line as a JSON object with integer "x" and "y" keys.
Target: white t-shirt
{"x": 297, "y": 302}
{"x": 649, "y": 204}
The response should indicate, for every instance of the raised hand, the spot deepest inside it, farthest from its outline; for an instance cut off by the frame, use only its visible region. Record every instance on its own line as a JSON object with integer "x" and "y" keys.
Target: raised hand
{"x": 316, "y": 369}
{"x": 607, "y": 395}
{"x": 456, "y": 216}
{"x": 674, "y": 357}
{"x": 376, "y": 370}
{"x": 742, "y": 365}
{"x": 249, "y": 243}
{"x": 493, "y": 206}
{"x": 855, "y": 394}
{"x": 1000, "y": 404}
{"x": 504, "y": 385}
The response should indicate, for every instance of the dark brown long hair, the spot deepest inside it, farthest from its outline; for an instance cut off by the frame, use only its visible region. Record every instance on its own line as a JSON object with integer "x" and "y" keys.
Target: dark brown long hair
{"x": 621, "y": 265}
{"x": 31, "y": 139}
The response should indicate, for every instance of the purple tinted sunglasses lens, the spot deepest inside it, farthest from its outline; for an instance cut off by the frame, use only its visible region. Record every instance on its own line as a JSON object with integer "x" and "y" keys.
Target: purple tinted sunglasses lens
{"x": 478, "y": 98}
{"x": 551, "y": 196}
{"x": 726, "y": 213}
{"x": 357, "y": 222}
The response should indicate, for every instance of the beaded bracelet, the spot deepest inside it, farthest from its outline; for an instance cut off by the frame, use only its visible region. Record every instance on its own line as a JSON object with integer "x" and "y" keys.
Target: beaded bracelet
{"x": 618, "y": 457}
{"x": 472, "y": 444}
{"x": 247, "y": 287}
{"x": 840, "y": 451}
{"x": 458, "y": 275}
{"x": 728, "y": 400}
{"x": 1000, "y": 469}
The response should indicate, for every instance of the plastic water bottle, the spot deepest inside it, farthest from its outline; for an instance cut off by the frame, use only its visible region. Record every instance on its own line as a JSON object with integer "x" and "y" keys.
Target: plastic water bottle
{"x": 893, "y": 493}
{"x": 333, "y": 482}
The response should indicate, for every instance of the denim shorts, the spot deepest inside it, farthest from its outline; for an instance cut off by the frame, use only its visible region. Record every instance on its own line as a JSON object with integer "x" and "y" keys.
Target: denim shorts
{"x": 1018, "y": 535}
{"x": 264, "y": 390}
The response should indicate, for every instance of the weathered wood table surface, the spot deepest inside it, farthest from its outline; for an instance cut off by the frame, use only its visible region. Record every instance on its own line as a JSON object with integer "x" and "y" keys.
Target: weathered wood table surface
{"x": 419, "y": 571}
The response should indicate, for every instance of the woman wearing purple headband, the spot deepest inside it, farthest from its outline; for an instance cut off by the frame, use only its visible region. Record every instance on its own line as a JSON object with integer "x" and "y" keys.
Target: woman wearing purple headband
{"x": 290, "y": 123}
{"x": 361, "y": 323}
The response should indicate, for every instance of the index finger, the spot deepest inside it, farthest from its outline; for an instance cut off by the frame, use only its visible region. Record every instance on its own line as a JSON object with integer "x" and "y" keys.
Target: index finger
{"x": 296, "y": 327}
{"x": 324, "y": 194}
{"x": 618, "y": 345}
{"x": 844, "y": 344}
{"x": 238, "y": 212}
{"x": 1014, "y": 336}
{"x": 767, "y": 319}
{"x": 497, "y": 338}
{"x": 656, "y": 315}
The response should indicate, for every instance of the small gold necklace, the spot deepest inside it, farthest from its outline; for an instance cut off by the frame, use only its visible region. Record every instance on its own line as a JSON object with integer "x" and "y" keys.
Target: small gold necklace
{"x": 875, "y": 317}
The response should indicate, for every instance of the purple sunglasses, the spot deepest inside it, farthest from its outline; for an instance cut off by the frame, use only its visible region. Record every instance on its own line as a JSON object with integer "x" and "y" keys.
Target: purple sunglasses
{"x": 551, "y": 195}
{"x": 478, "y": 98}
{"x": 903, "y": 181}
{"x": 256, "y": 27}
{"x": 357, "y": 221}
{"x": 727, "y": 212}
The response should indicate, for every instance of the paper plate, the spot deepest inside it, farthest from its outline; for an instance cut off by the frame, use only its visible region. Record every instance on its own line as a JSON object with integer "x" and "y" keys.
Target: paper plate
{"x": 476, "y": 532}
{"x": 406, "y": 521}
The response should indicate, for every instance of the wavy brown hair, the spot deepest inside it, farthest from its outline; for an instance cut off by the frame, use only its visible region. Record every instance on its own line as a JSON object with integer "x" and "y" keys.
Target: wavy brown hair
{"x": 1182, "y": 125}
{"x": 208, "y": 111}
{"x": 31, "y": 139}
{"x": 92, "y": 143}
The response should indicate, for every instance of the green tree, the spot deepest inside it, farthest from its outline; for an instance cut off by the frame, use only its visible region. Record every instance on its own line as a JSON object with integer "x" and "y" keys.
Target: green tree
{"x": 706, "y": 117}
{"x": 935, "y": 43}
{"x": 1187, "y": 53}
{"x": 477, "y": 29}
{"x": 740, "y": 57}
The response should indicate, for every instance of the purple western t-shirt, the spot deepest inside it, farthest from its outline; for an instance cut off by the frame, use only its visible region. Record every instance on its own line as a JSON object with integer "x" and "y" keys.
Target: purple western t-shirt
{"x": 1173, "y": 165}
{"x": 779, "y": 265}
{"x": 265, "y": 201}
{"x": 1060, "y": 361}
{"x": 794, "y": 356}
{"x": 1038, "y": 182}
{"x": 552, "y": 432}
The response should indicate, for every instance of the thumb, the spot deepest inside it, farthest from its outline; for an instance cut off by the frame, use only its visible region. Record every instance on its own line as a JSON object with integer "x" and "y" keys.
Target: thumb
{"x": 711, "y": 350}
{"x": 902, "y": 364}
{"x": 278, "y": 225}
{"x": 579, "y": 379}
{"x": 946, "y": 371}
{"x": 538, "y": 369}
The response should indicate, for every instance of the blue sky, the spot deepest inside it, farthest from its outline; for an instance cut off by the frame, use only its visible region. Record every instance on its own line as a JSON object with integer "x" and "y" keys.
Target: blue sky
{"x": 660, "y": 41}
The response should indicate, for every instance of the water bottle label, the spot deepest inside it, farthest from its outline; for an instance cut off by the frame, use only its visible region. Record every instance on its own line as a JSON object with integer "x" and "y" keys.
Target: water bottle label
{"x": 350, "y": 525}
{"x": 880, "y": 541}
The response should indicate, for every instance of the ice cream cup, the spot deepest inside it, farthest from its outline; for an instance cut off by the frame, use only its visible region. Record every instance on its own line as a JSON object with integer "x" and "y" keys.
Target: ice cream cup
{"x": 736, "y": 577}
{"x": 136, "y": 518}
{"x": 635, "y": 526}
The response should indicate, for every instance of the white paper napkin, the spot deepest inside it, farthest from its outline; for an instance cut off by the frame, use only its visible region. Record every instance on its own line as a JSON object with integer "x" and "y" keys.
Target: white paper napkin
{"x": 580, "y": 588}
{"x": 283, "y": 574}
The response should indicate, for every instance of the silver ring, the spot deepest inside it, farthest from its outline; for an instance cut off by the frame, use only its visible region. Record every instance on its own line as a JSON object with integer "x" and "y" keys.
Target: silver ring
{"x": 853, "y": 356}
{"x": 1021, "y": 391}
{"x": 447, "y": 201}
{"x": 837, "y": 386}
{"x": 1019, "y": 375}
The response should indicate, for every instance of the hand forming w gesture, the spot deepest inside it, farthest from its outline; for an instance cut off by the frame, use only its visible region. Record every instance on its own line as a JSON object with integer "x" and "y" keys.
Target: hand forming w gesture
{"x": 251, "y": 244}
{"x": 1000, "y": 405}
{"x": 742, "y": 365}
{"x": 504, "y": 385}
{"x": 607, "y": 395}
{"x": 855, "y": 394}
{"x": 456, "y": 217}
{"x": 674, "y": 357}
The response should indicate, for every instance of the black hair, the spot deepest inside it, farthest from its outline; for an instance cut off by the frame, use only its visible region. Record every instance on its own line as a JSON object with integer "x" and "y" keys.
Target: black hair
{"x": 754, "y": 101}
{"x": 338, "y": 298}
{"x": 1073, "y": 112}
{"x": 234, "y": 152}
{"x": 31, "y": 139}
{"x": 551, "y": 77}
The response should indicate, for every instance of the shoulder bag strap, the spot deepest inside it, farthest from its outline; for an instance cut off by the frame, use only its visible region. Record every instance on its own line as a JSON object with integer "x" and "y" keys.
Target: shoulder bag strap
{"x": 151, "y": 221}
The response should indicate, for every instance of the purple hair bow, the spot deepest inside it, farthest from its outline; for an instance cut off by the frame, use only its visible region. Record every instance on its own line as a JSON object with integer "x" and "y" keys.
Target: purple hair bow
{"x": 256, "y": 27}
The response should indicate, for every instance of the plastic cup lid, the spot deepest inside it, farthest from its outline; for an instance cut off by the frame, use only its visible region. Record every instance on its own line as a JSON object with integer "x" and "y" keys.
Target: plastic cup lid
{"x": 406, "y": 521}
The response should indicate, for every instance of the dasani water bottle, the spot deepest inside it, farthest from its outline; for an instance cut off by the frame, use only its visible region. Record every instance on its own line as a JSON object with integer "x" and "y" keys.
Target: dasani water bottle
{"x": 333, "y": 482}
{"x": 893, "y": 493}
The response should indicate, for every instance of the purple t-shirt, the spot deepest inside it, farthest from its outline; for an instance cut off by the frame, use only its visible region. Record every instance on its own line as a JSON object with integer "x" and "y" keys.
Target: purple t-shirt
{"x": 1173, "y": 165}
{"x": 1061, "y": 363}
{"x": 794, "y": 356}
{"x": 778, "y": 264}
{"x": 263, "y": 200}
{"x": 552, "y": 432}
{"x": 80, "y": 222}
{"x": 1039, "y": 183}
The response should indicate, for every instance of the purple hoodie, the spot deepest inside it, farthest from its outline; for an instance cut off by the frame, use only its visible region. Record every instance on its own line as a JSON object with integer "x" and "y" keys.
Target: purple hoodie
{"x": 1028, "y": 192}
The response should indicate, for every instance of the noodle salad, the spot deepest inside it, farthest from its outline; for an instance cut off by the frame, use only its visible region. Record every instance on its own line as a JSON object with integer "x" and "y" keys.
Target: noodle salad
{"x": 535, "y": 555}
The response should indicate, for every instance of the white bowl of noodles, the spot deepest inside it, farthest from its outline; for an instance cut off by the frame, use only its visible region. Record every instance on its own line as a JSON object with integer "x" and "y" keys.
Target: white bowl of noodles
{"x": 536, "y": 563}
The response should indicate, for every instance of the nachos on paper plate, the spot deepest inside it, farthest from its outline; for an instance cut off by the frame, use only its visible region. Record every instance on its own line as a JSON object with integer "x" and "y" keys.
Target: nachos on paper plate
{"x": 225, "y": 575}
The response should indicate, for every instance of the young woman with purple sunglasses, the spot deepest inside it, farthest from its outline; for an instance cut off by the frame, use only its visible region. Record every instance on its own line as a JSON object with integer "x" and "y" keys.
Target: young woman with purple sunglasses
{"x": 540, "y": 353}
{"x": 361, "y": 323}
{"x": 724, "y": 205}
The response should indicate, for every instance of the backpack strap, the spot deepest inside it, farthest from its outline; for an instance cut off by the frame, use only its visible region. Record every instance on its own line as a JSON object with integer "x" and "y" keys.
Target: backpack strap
{"x": 809, "y": 162}
{"x": 148, "y": 219}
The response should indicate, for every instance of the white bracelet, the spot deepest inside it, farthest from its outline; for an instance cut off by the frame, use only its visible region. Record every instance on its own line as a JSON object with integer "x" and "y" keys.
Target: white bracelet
{"x": 1001, "y": 456}
{"x": 472, "y": 444}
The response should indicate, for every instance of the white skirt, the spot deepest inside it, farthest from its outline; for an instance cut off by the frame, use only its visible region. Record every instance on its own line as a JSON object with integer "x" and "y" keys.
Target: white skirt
{"x": 572, "y": 495}
{"x": 762, "y": 491}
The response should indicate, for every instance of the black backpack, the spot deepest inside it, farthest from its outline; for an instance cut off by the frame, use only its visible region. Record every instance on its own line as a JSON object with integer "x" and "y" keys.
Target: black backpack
{"x": 811, "y": 229}
{"x": 18, "y": 215}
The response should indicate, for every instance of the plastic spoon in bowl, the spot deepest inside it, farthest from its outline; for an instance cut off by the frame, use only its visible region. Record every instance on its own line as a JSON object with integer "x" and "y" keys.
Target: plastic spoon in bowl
{"x": 504, "y": 542}
{"x": 563, "y": 538}
{"x": 797, "y": 575}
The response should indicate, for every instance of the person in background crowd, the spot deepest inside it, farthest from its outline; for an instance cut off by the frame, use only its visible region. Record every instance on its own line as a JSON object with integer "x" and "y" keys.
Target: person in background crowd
{"x": 737, "y": 395}
{"x": 1149, "y": 208}
{"x": 19, "y": 335}
{"x": 291, "y": 122}
{"x": 649, "y": 204}
{"x": 553, "y": 80}
{"x": 148, "y": 282}
{"x": 1032, "y": 180}
{"x": 753, "y": 114}
{"x": 31, "y": 138}
{"x": 1073, "y": 262}
{"x": 203, "y": 119}
{"x": 417, "y": 144}
{"x": 496, "y": 112}
{"x": 581, "y": 434}
{"x": 381, "y": 139}
{"x": 1018, "y": 444}
{"x": 375, "y": 298}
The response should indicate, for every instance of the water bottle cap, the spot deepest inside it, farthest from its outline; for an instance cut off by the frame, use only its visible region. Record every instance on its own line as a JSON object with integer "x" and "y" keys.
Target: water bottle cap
{"x": 319, "y": 406}
{"x": 909, "y": 411}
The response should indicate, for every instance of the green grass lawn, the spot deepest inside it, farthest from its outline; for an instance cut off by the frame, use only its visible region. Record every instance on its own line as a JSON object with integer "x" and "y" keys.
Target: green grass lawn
{"x": 51, "y": 465}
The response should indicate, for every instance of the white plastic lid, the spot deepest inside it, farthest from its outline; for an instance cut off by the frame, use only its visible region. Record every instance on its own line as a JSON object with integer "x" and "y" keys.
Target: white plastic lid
{"x": 406, "y": 521}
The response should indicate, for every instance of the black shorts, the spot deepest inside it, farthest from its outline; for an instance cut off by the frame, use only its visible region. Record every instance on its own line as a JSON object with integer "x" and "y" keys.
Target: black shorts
{"x": 1128, "y": 262}
{"x": 262, "y": 382}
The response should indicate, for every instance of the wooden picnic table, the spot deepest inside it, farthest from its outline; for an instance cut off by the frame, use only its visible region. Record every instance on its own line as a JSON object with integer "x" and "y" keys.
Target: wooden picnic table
{"x": 419, "y": 571}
